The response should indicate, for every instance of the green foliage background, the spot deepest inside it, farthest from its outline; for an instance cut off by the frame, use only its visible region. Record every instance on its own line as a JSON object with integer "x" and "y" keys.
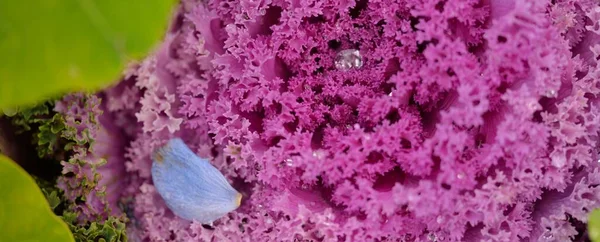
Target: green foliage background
{"x": 57, "y": 46}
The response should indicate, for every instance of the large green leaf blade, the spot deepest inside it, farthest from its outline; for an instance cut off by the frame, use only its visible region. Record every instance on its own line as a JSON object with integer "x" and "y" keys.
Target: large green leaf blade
{"x": 49, "y": 47}
{"x": 24, "y": 212}
{"x": 594, "y": 225}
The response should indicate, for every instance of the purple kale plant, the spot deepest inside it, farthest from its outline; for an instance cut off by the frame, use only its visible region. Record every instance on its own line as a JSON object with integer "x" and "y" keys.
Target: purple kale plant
{"x": 370, "y": 120}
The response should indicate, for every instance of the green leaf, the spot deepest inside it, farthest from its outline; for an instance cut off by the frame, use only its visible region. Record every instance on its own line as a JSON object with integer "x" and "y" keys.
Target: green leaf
{"x": 50, "y": 191}
{"x": 110, "y": 230}
{"x": 594, "y": 225}
{"x": 46, "y": 125}
{"x": 49, "y": 133}
{"x": 50, "y": 47}
{"x": 24, "y": 212}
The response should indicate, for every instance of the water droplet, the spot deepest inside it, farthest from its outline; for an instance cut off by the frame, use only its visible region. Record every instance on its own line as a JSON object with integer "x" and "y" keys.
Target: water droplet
{"x": 533, "y": 105}
{"x": 551, "y": 93}
{"x": 547, "y": 235}
{"x": 391, "y": 94}
{"x": 432, "y": 237}
{"x": 348, "y": 59}
{"x": 289, "y": 162}
{"x": 460, "y": 175}
{"x": 318, "y": 154}
{"x": 230, "y": 28}
{"x": 558, "y": 160}
{"x": 440, "y": 219}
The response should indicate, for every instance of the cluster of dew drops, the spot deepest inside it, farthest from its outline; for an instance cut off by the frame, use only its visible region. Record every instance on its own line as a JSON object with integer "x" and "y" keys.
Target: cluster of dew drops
{"x": 348, "y": 59}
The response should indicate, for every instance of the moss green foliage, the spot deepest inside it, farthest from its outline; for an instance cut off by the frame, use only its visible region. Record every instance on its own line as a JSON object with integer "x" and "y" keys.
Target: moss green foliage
{"x": 73, "y": 45}
{"x": 112, "y": 229}
{"x": 53, "y": 133}
{"x": 47, "y": 137}
{"x": 50, "y": 191}
{"x": 24, "y": 213}
{"x": 45, "y": 125}
{"x": 26, "y": 116}
{"x": 109, "y": 230}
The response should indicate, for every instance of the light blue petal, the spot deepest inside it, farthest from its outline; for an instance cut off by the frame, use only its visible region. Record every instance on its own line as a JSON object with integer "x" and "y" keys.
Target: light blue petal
{"x": 191, "y": 187}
